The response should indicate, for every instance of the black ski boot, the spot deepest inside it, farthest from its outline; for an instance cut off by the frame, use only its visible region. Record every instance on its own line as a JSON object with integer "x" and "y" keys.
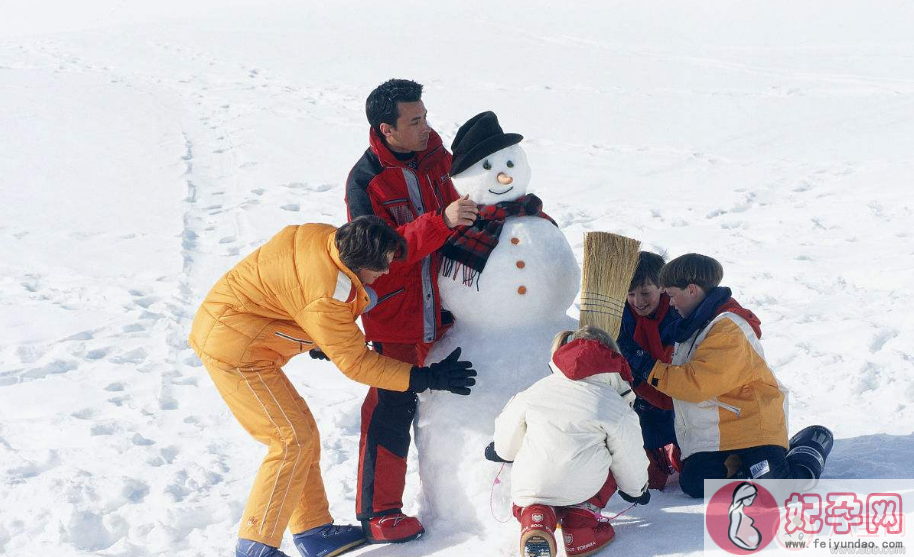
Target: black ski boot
{"x": 809, "y": 448}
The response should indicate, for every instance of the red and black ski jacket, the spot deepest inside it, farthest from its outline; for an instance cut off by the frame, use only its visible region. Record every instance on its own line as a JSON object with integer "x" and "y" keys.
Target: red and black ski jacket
{"x": 410, "y": 196}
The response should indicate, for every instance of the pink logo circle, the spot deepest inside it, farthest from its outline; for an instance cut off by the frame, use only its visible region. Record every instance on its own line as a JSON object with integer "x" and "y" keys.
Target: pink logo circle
{"x": 742, "y": 518}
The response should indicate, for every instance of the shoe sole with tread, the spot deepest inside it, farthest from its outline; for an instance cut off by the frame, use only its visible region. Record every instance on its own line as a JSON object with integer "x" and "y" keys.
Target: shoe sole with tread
{"x": 536, "y": 544}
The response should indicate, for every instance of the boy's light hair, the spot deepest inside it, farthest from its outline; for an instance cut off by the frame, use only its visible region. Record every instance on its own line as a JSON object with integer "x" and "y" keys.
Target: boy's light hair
{"x": 589, "y": 332}
{"x": 692, "y": 268}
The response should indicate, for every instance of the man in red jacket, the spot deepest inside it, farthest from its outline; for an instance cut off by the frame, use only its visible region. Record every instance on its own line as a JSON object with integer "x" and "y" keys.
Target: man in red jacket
{"x": 402, "y": 178}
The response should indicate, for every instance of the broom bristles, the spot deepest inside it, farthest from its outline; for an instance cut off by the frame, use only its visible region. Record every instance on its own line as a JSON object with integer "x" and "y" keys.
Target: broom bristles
{"x": 610, "y": 261}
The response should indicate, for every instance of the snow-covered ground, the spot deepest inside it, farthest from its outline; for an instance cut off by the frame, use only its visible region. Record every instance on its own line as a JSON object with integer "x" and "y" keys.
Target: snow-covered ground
{"x": 147, "y": 148}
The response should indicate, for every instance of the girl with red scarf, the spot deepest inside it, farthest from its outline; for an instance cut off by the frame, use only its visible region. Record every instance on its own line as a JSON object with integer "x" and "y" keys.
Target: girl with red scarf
{"x": 645, "y": 337}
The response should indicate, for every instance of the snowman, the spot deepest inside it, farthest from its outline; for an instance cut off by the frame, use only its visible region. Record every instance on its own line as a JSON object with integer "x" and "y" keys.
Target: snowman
{"x": 509, "y": 280}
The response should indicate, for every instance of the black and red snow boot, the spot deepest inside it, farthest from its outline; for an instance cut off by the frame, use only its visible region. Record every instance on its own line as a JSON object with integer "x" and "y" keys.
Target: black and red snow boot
{"x": 809, "y": 448}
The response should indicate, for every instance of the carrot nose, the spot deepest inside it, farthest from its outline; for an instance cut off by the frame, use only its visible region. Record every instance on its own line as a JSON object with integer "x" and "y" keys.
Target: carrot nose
{"x": 504, "y": 178}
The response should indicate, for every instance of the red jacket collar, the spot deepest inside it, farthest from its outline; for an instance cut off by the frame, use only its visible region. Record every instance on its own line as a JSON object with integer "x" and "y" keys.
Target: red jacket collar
{"x": 434, "y": 150}
{"x": 583, "y": 358}
{"x": 733, "y": 306}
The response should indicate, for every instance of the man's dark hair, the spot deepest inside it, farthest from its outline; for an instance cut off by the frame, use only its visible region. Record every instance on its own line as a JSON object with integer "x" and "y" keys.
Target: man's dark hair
{"x": 381, "y": 105}
{"x": 648, "y": 270}
{"x": 366, "y": 241}
{"x": 692, "y": 268}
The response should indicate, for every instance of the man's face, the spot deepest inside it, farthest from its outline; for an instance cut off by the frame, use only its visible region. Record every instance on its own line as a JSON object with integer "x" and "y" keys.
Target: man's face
{"x": 412, "y": 129}
{"x": 368, "y": 276}
{"x": 685, "y": 300}
{"x": 644, "y": 299}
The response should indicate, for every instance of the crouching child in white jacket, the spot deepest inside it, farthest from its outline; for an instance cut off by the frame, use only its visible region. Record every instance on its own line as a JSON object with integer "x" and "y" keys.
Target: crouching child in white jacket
{"x": 574, "y": 441}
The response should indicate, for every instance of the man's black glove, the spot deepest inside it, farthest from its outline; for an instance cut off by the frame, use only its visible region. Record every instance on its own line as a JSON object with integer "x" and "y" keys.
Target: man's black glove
{"x": 492, "y": 455}
{"x": 318, "y": 354}
{"x": 450, "y": 374}
{"x": 643, "y": 499}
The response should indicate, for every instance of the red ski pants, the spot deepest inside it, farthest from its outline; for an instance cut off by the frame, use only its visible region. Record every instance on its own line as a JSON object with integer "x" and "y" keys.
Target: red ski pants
{"x": 387, "y": 417}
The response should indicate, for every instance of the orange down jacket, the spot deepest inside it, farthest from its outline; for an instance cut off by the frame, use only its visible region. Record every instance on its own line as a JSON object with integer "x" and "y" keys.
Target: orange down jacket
{"x": 289, "y": 296}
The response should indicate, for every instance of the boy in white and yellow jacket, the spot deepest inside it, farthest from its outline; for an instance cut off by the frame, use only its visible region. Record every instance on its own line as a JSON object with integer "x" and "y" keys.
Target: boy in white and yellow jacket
{"x": 726, "y": 399}
{"x": 574, "y": 440}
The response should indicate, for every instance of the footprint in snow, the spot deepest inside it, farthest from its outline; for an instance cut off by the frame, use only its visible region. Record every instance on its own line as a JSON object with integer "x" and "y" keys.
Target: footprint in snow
{"x": 85, "y": 335}
{"x": 84, "y": 414}
{"x": 141, "y": 441}
{"x": 135, "y": 356}
{"x": 29, "y": 354}
{"x": 193, "y": 361}
{"x": 97, "y": 354}
{"x": 715, "y": 213}
{"x": 30, "y": 285}
{"x": 32, "y": 469}
{"x": 105, "y": 428}
{"x": 56, "y": 367}
{"x": 168, "y": 403}
{"x": 134, "y": 491}
{"x": 880, "y": 340}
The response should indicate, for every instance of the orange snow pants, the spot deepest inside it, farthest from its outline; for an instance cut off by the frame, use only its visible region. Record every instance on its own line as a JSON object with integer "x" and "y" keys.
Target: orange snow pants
{"x": 288, "y": 490}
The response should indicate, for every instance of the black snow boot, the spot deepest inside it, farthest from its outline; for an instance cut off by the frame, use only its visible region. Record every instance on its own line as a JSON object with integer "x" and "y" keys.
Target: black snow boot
{"x": 809, "y": 448}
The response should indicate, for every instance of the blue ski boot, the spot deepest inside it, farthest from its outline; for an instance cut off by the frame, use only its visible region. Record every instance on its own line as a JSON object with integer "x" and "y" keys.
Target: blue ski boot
{"x": 329, "y": 540}
{"x": 250, "y": 548}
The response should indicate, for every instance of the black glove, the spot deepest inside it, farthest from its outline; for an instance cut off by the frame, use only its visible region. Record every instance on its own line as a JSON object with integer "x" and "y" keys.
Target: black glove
{"x": 492, "y": 455}
{"x": 643, "y": 499}
{"x": 318, "y": 354}
{"x": 641, "y": 364}
{"x": 450, "y": 374}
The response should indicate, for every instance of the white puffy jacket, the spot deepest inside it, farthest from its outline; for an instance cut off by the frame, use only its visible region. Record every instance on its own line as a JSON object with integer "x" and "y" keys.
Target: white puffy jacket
{"x": 569, "y": 430}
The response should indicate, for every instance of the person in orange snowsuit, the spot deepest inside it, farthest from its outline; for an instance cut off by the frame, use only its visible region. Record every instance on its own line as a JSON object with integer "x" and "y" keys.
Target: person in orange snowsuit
{"x": 302, "y": 290}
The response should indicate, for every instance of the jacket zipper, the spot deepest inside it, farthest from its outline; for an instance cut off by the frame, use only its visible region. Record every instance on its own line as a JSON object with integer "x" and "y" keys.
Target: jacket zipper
{"x": 735, "y": 409}
{"x": 427, "y": 155}
{"x": 388, "y": 296}
{"x": 301, "y": 342}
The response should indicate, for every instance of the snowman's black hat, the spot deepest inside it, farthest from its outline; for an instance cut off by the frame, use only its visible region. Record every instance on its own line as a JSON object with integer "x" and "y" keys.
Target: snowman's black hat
{"x": 479, "y": 137}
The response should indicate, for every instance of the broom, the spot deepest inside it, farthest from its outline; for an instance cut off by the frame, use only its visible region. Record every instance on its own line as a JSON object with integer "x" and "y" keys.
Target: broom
{"x": 609, "y": 264}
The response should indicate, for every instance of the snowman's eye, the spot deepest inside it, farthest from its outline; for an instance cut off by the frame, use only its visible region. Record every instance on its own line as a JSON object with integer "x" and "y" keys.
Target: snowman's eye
{"x": 510, "y": 164}
{"x": 487, "y": 165}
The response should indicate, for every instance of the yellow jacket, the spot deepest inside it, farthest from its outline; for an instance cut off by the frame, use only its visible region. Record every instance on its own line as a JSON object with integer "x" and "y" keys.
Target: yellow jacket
{"x": 289, "y": 296}
{"x": 725, "y": 396}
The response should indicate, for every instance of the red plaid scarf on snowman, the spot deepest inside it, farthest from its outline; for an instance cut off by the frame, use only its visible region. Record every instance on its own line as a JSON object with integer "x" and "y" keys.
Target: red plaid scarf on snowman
{"x": 468, "y": 248}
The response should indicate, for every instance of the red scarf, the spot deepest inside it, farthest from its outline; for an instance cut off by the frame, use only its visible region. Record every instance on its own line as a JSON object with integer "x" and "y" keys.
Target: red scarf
{"x": 647, "y": 336}
{"x": 468, "y": 247}
{"x": 647, "y": 331}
